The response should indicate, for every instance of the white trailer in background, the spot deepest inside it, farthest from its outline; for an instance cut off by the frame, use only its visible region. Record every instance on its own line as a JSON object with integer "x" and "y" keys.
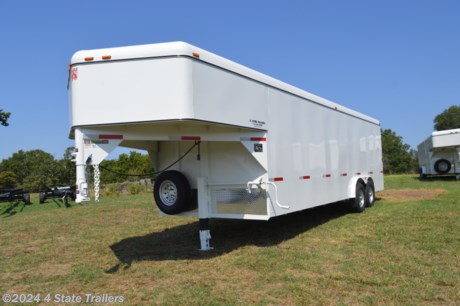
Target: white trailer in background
{"x": 439, "y": 154}
{"x": 242, "y": 145}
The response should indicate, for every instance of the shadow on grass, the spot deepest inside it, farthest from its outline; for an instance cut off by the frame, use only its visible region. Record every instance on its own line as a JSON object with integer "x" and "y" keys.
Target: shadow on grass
{"x": 12, "y": 209}
{"x": 182, "y": 242}
{"x": 436, "y": 178}
{"x": 59, "y": 203}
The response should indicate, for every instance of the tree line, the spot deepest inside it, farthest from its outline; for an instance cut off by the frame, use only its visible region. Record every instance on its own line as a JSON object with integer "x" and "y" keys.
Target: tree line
{"x": 34, "y": 170}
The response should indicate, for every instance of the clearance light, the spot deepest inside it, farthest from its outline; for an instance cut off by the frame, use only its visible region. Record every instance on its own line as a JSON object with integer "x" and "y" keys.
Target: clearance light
{"x": 89, "y": 58}
{"x": 196, "y": 54}
{"x": 106, "y": 57}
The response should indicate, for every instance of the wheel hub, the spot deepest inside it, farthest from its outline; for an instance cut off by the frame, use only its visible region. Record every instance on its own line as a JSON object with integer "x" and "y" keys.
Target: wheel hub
{"x": 168, "y": 192}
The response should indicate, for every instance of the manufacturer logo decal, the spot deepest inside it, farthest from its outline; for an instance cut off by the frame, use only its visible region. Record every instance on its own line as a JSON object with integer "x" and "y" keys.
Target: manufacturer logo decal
{"x": 74, "y": 73}
{"x": 258, "y": 147}
{"x": 257, "y": 123}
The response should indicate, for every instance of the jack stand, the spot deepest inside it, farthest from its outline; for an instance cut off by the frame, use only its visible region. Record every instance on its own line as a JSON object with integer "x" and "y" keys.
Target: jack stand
{"x": 205, "y": 235}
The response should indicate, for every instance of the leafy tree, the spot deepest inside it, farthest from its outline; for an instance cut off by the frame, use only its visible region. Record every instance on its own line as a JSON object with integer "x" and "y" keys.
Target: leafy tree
{"x": 4, "y": 117}
{"x": 134, "y": 163}
{"x": 448, "y": 119}
{"x": 8, "y": 179}
{"x": 397, "y": 157}
{"x": 34, "y": 169}
{"x": 66, "y": 170}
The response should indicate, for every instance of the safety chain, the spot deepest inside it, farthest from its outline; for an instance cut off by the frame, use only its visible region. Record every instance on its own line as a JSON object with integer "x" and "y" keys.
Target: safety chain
{"x": 97, "y": 181}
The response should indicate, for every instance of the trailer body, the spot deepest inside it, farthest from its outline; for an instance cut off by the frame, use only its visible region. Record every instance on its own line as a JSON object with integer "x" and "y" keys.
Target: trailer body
{"x": 439, "y": 154}
{"x": 257, "y": 147}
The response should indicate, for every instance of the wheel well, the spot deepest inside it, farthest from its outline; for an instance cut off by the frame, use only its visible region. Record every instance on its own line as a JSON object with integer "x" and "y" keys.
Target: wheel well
{"x": 352, "y": 185}
{"x": 370, "y": 181}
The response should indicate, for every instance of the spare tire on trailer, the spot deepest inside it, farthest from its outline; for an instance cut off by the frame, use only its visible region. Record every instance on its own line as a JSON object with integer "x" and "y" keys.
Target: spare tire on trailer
{"x": 172, "y": 192}
{"x": 442, "y": 166}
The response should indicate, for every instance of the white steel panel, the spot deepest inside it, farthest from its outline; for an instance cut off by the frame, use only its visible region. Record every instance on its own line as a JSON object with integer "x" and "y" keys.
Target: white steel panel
{"x": 328, "y": 146}
{"x": 134, "y": 91}
{"x": 224, "y": 97}
{"x": 175, "y": 49}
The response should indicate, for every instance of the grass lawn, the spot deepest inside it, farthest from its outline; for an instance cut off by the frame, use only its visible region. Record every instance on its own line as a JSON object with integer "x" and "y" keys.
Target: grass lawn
{"x": 404, "y": 250}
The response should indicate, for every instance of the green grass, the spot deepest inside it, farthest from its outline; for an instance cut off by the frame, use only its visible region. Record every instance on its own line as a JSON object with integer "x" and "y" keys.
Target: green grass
{"x": 401, "y": 251}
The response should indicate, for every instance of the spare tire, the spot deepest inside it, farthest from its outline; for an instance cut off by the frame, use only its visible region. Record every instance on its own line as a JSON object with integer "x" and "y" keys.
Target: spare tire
{"x": 172, "y": 192}
{"x": 442, "y": 166}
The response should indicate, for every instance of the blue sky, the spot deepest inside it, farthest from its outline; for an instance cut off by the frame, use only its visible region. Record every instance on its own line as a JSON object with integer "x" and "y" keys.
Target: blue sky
{"x": 397, "y": 61}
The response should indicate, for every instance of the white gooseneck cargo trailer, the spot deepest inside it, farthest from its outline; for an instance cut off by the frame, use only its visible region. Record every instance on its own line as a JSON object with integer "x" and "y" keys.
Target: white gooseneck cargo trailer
{"x": 233, "y": 143}
{"x": 439, "y": 154}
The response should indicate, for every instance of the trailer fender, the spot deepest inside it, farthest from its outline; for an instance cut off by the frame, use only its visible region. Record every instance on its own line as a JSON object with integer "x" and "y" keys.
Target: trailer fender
{"x": 352, "y": 185}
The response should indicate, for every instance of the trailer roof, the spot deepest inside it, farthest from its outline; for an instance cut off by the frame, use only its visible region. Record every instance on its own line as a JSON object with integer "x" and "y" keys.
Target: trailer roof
{"x": 185, "y": 49}
{"x": 446, "y": 132}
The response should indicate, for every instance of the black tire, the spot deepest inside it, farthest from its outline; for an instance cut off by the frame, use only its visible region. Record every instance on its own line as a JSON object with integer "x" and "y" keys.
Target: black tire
{"x": 369, "y": 194}
{"x": 26, "y": 198}
{"x": 422, "y": 175}
{"x": 172, "y": 192}
{"x": 442, "y": 166}
{"x": 42, "y": 197}
{"x": 358, "y": 204}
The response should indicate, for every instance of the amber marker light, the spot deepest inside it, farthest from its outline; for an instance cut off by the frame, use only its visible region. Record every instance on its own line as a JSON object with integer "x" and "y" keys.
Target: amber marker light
{"x": 195, "y": 54}
{"x": 89, "y": 58}
{"x": 106, "y": 57}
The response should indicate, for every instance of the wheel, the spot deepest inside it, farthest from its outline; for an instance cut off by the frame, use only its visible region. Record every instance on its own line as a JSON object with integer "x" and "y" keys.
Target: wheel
{"x": 42, "y": 197}
{"x": 358, "y": 204}
{"x": 72, "y": 195}
{"x": 172, "y": 192}
{"x": 422, "y": 175}
{"x": 26, "y": 198}
{"x": 369, "y": 194}
{"x": 442, "y": 166}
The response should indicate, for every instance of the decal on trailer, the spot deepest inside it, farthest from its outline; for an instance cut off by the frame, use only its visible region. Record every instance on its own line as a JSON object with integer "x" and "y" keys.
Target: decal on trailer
{"x": 74, "y": 73}
{"x": 257, "y": 123}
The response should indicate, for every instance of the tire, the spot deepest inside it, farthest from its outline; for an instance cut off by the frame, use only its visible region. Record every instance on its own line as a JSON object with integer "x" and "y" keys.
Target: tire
{"x": 442, "y": 166}
{"x": 26, "y": 198}
{"x": 172, "y": 192}
{"x": 358, "y": 204}
{"x": 42, "y": 197}
{"x": 369, "y": 194}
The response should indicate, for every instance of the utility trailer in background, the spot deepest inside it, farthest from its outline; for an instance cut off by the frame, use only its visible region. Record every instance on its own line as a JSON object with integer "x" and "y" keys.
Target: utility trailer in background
{"x": 234, "y": 143}
{"x": 439, "y": 154}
